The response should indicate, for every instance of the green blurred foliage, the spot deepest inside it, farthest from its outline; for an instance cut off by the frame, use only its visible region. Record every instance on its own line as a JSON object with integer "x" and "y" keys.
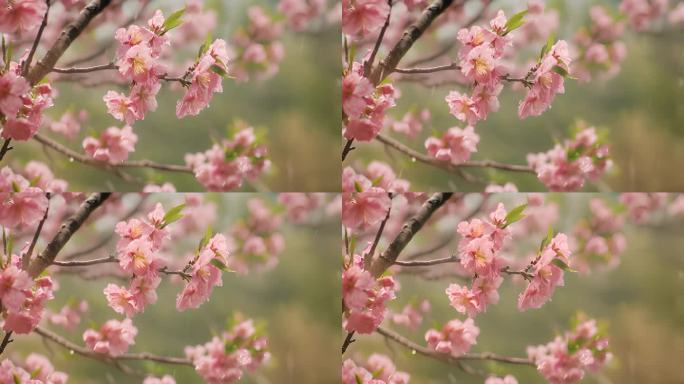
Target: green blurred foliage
{"x": 642, "y": 109}
{"x": 641, "y": 301}
{"x": 298, "y": 300}
{"x": 298, "y": 110}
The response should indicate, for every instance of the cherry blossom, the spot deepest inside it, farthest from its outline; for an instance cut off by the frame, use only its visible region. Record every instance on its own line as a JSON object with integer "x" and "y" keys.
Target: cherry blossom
{"x": 113, "y": 338}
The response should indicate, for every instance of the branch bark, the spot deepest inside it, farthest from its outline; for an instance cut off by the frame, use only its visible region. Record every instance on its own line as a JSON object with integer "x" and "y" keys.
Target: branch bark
{"x": 410, "y": 228}
{"x": 97, "y": 356}
{"x": 68, "y": 228}
{"x": 68, "y": 35}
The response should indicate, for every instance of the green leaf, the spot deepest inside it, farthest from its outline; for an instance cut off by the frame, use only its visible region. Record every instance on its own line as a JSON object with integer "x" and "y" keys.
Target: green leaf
{"x": 358, "y": 379}
{"x": 377, "y": 180}
{"x": 560, "y": 70}
{"x": 205, "y": 240}
{"x": 219, "y": 70}
{"x": 173, "y": 21}
{"x": 516, "y": 214}
{"x": 515, "y": 22}
{"x": 573, "y": 347}
{"x": 547, "y": 47}
{"x": 173, "y": 214}
{"x": 205, "y": 46}
{"x": 358, "y": 187}
{"x": 561, "y": 264}
{"x": 220, "y": 265}
{"x": 547, "y": 240}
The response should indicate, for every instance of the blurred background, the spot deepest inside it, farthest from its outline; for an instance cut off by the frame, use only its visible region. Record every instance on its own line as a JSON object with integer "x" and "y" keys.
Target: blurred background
{"x": 298, "y": 301}
{"x": 297, "y": 110}
{"x": 642, "y": 110}
{"x": 640, "y": 301}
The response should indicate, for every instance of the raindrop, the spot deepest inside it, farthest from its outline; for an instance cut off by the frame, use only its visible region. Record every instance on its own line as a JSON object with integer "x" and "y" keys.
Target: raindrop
{"x": 413, "y": 351}
{"x": 413, "y": 159}
{"x": 71, "y": 352}
{"x": 71, "y": 159}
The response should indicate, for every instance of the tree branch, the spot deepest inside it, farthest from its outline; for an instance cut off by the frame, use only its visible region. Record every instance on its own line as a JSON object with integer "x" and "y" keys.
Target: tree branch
{"x": 68, "y": 228}
{"x": 427, "y": 263}
{"x": 26, "y": 259}
{"x": 410, "y": 36}
{"x": 36, "y": 41}
{"x": 107, "y": 166}
{"x": 410, "y": 228}
{"x": 94, "y": 68}
{"x": 409, "y": 71}
{"x": 109, "y": 359}
{"x": 84, "y": 263}
{"x": 68, "y": 35}
{"x": 5, "y": 341}
{"x": 425, "y": 351}
{"x": 5, "y": 148}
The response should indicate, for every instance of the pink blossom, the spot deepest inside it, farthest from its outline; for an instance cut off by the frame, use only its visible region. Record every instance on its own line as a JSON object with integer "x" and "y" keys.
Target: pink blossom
{"x": 384, "y": 177}
{"x": 113, "y": 338}
{"x": 300, "y": 205}
{"x": 356, "y": 90}
{"x": 69, "y": 124}
{"x": 204, "y": 274}
{"x": 641, "y": 205}
{"x": 225, "y": 358}
{"x": 412, "y": 123}
{"x": 364, "y": 209}
{"x": 12, "y": 89}
{"x": 479, "y": 65}
{"x": 20, "y": 204}
{"x": 642, "y": 13}
{"x": 14, "y": 285}
{"x": 462, "y": 107}
{"x": 379, "y": 369}
{"x": 121, "y": 107}
{"x": 456, "y": 146}
{"x": 364, "y": 298}
{"x": 463, "y": 299}
{"x": 547, "y": 82}
{"x": 166, "y": 379}
{"x": 365, "y": 108}
{"x": 455, "y": 339}
{"x": 113, "y": 146}
{"x": 362, "y": 17}
{"x": 43, "y": 371}
{"x": 477, "y": 256}
{"x": 546, "y": 274}
{"x": 205, "y": 80}
{"x": 21, "y": 15}
{"x": 24, "y": 319}
{"x": 120, "y": 300}
{"x": 300, "y": 12}
{"x": 508, "y": 379}
{"x": 138, "y": 258}
{"x": 412, "y": 315}
{"x": 69, "y": 316}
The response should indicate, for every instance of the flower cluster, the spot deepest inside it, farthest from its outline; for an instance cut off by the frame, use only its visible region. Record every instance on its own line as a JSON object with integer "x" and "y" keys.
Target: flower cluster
{"x": 166, "y": 379}
{"x": 258, "y": 52}
{"x": 379, "y": 369}
{"x": 641, "y": 13}
{"x": 455, "y": 339}
{"x": 480, "y": 62}
{"x": 256, "y": 240}
{"x": 227, "y": 164}
{"x": 599, "y": 240}
{"x": 508, "y": 379}
{"x": 299, "y": 205}
{"x": 300, "y": 12}
{"x": 412, "y": 315}
{"x": 113, "y": 145}
{"x": 21, "y": 204}
{"x": 137, "y": 250}
{"x": 225, "y": 358}
{"x": 455, "y": 146}
{"x": 138, "y": 61}
{"x": 363, "y": 104}
{"x": 69, "y": 316}
{"x": 566, "y": 359}
{"x": 547, "y": 270}
{"x": 22, "y": 297}
{"x": 599, "y": 48}
{"x": 479, "y": 253}
{"x": 566, "y": 167}
{"x": 548, "y": 79}
{"x": 205, "y": 79}
{"x": 21, "y": 105}
{"x": 364, "y": 297}
{"x": 113, "y": 338}
{"x": 205, "y": 270}
{"x": 21, "y": 16}
{"x": 37, "y": 369}
{"x": 363, "y": 17}
{"x": 640, "y": 206}
{"x": 412, "y": 123}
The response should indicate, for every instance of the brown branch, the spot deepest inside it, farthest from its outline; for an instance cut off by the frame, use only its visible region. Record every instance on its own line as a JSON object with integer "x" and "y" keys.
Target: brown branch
{"x": 5, "y": 148}
{"x": 83, "y": 351}
{"x": 410, "y": 36}
{"x": 446, "y": 358}
{"x": 424, "y": 158}
{"x": 368, "y": 65}
{"x": 410, "y": 228}
{"x": 345, "y": 151}
{"x": 36, "y": 41}
{"x": 26, "y": 259}
{"x": 84, "y": 263}
{"x": 108, "y": 166}
{"x": 410, "y": 71}
{"x": 427, "y": 263}
{"x": 369, "y": 257}
{"x": 347, "y": 341}
{"x": 5, "y": 341}
{"x": 94, "y": 68}
{"x": 68, "y": 35}
{"x": 68, "y": 228}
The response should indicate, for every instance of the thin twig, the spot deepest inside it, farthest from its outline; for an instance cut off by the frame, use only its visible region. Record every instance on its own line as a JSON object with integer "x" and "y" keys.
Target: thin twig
{"x": 426, "y": 263}
{"x": 94, "y": 68}
{"x": 84, "y": 263}
{"x": 5, "y": 341}
{"x": 36, "y": 41}
{"x": 368, "y": 259}
{"x": 26, "y": 259}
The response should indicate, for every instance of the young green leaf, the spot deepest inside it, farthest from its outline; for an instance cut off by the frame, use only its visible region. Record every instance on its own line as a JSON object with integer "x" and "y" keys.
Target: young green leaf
{"x": 547, "y": 47}
{"x": 547, "y": 240}
{"x": 219, "y": 264}
{"x": 218, "y": 70}
{"x": 516, "y": 214}
{"x": 205, "y": 46}
{"x": 174, "y": 214}
{"x": 561, "y": 264}
{"x": 173, "y": 21}
{"x": 515, "y": 22}
{"x": 205, "y": 240}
